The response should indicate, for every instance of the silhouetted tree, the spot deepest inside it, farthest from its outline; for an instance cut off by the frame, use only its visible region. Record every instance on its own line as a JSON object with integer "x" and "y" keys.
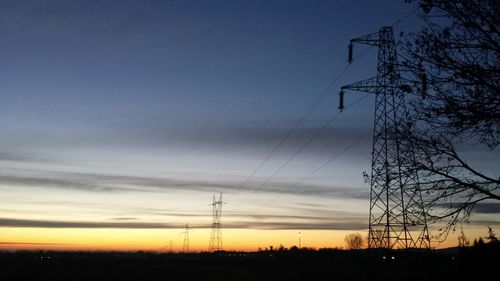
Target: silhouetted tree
{"x": 454, "y": 62}
{"x": 354, "y": 241}
{"x": 479, "y": 242}
{"x": 462, "y": 239}
{"x": 458, "y": 52}
{"x": 491, "y": 235}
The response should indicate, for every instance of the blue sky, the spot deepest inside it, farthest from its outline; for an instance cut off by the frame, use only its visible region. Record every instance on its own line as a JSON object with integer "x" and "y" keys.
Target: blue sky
{"x": 109, "y": 108}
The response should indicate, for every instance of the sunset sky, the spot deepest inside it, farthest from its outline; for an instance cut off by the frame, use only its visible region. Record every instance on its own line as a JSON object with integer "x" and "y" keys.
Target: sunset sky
{"x": 120, "y": 119}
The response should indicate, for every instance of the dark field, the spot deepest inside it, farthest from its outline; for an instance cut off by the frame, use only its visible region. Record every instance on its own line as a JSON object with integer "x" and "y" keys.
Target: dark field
{"x": 450, "y": 264}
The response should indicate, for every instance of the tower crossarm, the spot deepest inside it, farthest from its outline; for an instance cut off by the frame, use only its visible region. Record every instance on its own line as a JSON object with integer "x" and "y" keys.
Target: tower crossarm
{"x": 368, "y": 86}
{"x": 369, "y": 39}
{"x": 371, "y": 86}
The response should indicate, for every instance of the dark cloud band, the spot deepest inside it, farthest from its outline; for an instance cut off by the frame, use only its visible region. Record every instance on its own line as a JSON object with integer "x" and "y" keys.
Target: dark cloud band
{"x": 121, "y": 183}
{"x": 6, "y": 222}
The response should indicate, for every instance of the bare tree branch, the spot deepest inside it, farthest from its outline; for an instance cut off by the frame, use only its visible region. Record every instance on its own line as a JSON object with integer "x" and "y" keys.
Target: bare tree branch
{"x": 454, "y": 62}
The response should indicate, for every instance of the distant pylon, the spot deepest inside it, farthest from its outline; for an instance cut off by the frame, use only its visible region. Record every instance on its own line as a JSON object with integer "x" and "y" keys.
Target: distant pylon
{"x": 185, "y": 245}
{"x": 216, "y": 234}
{"x": 397, "y": 214}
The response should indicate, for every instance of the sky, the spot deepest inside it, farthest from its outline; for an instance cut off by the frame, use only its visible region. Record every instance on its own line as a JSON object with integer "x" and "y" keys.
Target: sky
{"x": 121, "y": 119}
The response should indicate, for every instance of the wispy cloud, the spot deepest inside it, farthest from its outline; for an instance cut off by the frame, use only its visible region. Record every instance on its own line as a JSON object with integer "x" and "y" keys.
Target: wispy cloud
{"x": 6, "y": 222}
{"x": 123, "y": 219}
{"x": 487, "y": 208}
{"x": 55, "y": 181}
{"x": 304, "y": 225}
{"x": 272, "y": 222}
{"x": 13, "y": 155}
{"x": 152, "y": 133}
{"x": 121, "y": 183}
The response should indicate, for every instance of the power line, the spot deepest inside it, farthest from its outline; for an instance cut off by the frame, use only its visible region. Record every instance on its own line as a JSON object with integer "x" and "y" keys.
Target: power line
{"x": 326, "y": 163}
{"x": 405, "y": 17}
{"x": 295, "y": 126}
{"x": 323, "y": 165}
{"x": 301, "y": 120}
{"x": 304, "y": 145}
{"x": 318, "y": 133}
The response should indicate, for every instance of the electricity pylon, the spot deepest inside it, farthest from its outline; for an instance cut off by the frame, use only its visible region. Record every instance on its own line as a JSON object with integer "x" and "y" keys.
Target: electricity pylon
{"x": 185, "y": 245}
{"x": 216, "y": 234}
{"x": 397, "y": 215}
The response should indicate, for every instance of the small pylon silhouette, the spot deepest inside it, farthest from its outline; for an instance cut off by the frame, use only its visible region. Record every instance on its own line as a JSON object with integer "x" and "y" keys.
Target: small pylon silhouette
{"x": 185, "y": 245}
{"x": 216, "y": 234}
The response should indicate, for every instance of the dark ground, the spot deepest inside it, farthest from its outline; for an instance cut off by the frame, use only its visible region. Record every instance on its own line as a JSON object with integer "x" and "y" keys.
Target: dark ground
{"x": 450, "y": 264}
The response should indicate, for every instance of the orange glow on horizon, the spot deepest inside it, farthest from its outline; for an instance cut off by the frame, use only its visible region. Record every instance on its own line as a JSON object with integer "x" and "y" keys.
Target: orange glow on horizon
{"x": 68, "y": 239}
{"x": 159, "y": 239}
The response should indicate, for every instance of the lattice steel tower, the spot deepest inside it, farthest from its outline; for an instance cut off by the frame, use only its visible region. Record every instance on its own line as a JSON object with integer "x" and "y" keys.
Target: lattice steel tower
{"x": 185, "y": 245}
{"x": 216, "y": 234}
{"x": 397, "y": 214}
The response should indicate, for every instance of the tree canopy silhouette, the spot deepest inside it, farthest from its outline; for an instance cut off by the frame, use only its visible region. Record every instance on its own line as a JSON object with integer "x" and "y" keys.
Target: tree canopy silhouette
{"x": 354, "y": 241}
{"x": 454, "y": 62}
